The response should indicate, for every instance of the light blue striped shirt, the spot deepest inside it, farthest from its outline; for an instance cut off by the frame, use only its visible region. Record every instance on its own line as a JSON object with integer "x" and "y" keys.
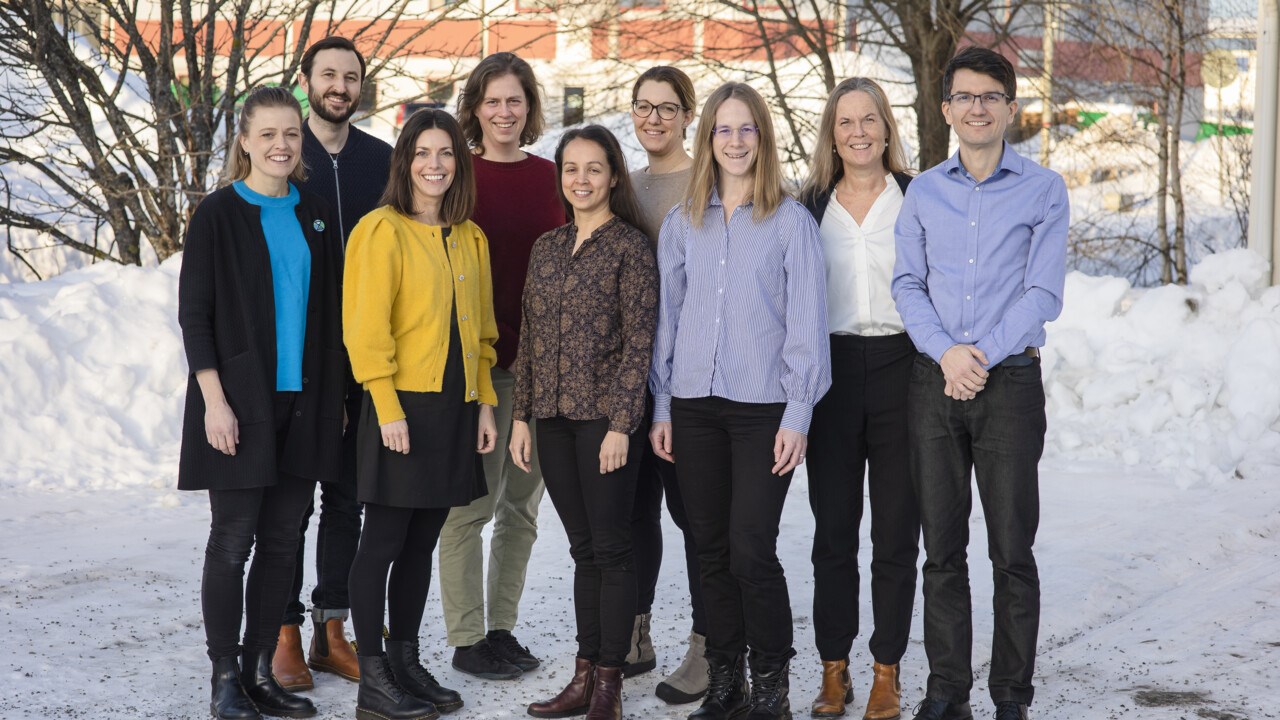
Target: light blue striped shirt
{"x": 743, "y": 313}
{"x": 982, "y": 263}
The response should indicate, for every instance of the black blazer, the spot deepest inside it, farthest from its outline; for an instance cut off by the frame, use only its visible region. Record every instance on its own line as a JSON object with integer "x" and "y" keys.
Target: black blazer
{"x": 226, "y": 307}
{"x": 816, "y": 203}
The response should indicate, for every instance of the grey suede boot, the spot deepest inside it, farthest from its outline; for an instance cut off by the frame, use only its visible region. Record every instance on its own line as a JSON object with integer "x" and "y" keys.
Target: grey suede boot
{"x": 689, "y": 681}
{"x": 640, "y": 658}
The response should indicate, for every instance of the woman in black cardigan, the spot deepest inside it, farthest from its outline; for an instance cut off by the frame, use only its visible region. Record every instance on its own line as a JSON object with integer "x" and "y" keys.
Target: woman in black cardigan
{"x": 857, "y": 179}
{"x": 259, "y": 309}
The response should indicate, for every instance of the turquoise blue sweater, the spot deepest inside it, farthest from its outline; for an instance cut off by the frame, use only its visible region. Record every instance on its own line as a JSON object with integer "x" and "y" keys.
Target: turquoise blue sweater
{"x": 290, "y": 279}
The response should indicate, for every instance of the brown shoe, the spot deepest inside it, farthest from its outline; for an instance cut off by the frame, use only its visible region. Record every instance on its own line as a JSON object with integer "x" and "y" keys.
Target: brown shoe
{"x": 606, "y": 701}
{"x": 885, "y": 701}
{"x": 332, "y": 652}
{"x": 288, "y": 667}
{"x": 575, "y": 698}
{"x": 837, "y": 690}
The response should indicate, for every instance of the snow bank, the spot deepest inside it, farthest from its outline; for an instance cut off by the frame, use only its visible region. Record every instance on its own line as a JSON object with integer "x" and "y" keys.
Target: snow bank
{"x": 94, "y": 377}
{"x": 1183, "y": 380}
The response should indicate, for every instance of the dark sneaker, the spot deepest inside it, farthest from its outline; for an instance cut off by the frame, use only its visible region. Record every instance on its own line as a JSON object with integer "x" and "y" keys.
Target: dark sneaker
{"x": 509, "y": 649}
{"x": 1009, "y": 710}
{"x": 483, "y": 661}
{"x": 942, "y": 710}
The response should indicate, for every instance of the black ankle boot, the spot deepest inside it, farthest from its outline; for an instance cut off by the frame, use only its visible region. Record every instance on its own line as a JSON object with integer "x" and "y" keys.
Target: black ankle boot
{"x": 266, "y": 693}
{"x": 770, "y": 688}
{"x": 382, "y": 698}
{"x": 726, "y": 690}
{"x": 414, "y": 678}
{"x": 229, "y": 699}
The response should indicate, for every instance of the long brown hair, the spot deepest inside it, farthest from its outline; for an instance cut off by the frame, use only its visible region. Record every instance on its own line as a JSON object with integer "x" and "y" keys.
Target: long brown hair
{"x": 460, "y": 199}
{"x": 767, "y": 191}
{"x": 622, "y": 197}
{"x": 495, "y": 66}
{"x": 238, "y": 164}
{"x": 825, "y": 167}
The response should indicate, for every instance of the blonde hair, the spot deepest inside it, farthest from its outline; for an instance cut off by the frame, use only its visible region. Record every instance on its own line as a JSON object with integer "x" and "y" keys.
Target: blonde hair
{"x": 238, "y": 164}
{"x": 825, "y": 167}
{"x": 767, "y": 192}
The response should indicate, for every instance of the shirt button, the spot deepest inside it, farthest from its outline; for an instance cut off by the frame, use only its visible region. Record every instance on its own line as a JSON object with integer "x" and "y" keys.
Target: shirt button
{"x": 966, "y": 334}
{"x": 304, "y": 381}
{"x": 298, "y": 414}
{"x": 464, "y": 318}
{"x": 461, "y": 278}
{"x": 970, "y": 261}
{"x": 968, "y": 297}
{"x": 453, "y": 245}
{"x": 721, "y": 262}
{"x": 717, "y": 319}
{"x": 977, "y": 188}
{"x": 971, "y": 224}
{"x": 473, "y": 392}
{"x": 469, "y": 356}
{"x": 720, "y": 290}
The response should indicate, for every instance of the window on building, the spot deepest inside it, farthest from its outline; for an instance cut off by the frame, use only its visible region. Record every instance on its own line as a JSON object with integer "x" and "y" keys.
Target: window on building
{"x": 642, "y": 3}
{"x": 574, "y": 102}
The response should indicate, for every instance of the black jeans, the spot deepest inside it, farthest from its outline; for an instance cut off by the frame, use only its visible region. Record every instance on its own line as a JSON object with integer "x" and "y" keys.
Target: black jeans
{"x": 656, "y": 477}
{"x": 860, "y": 427}
{"x": 337, "y": 536}
{"x": 264, "y": 520}
{"x": 595, "y": 510}
{"x": 392, "y": 569}
{"x": 724, "y": 454}
{"x": 999, "y": 436}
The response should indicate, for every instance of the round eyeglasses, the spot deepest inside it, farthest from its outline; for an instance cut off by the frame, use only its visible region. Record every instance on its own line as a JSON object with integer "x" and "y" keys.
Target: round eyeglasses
{"x": 666, "y": 111}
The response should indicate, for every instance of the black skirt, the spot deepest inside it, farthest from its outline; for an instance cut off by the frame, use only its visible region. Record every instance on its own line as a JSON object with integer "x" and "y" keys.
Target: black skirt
{"x": 442, "y": 468}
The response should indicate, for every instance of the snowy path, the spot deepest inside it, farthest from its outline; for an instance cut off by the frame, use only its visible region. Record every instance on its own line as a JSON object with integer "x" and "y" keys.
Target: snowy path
{"x": 1158, "y": 603}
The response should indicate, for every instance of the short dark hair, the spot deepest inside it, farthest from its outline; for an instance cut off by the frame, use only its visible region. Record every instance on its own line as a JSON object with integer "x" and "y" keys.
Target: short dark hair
{"x": 622, "y": 198}
{"x": 460, "y": 199}
{"x": 495, "y": 66}
{"x": 983, "y": 61}
{"x": 333, "y": 42}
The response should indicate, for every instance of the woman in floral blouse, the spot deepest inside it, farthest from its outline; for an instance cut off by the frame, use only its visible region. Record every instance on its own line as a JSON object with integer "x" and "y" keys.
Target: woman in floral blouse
{"x": 590, "y": 310}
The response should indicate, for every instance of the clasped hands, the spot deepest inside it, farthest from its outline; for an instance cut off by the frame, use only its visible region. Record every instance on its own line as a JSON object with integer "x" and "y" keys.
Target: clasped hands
{"x": 964, "y": 368}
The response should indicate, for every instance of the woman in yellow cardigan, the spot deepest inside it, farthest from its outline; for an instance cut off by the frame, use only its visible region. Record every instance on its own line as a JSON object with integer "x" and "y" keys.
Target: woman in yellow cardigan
{"x": 418, "y": 323}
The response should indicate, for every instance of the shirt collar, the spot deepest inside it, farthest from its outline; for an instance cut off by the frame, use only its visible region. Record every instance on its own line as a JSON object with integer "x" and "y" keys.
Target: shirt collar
{"x": 1009, "y": 160}
{"x": 715, "y": 201}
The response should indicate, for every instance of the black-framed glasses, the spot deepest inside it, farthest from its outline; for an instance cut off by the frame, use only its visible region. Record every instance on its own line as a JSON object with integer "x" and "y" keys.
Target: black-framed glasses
{"x": 666, "y": 111}
{"x": 990, "y": 98}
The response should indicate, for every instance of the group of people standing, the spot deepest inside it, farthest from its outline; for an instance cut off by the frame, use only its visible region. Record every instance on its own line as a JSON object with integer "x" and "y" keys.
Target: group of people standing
{"x": 438, "y": 330}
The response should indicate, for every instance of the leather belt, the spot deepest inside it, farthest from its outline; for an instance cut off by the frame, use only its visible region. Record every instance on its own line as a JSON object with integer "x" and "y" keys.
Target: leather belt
{"x": 1021, "y": 359}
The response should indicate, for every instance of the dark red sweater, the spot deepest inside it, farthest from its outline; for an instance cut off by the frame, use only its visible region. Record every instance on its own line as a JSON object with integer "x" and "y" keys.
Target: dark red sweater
{"x": 515, "y": 204}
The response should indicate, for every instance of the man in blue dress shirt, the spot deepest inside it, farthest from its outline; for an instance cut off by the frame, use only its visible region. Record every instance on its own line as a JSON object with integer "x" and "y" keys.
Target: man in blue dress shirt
{"x": 981, "y": 263}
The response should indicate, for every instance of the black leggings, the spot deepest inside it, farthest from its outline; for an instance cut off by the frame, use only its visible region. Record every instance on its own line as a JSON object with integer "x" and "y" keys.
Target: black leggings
{"x": 266, "y": 521}
{"x": 397, "y": 542}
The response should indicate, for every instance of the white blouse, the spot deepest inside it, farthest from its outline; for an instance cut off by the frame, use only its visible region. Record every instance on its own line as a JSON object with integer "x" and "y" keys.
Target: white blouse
{"x": 860, "y": 266}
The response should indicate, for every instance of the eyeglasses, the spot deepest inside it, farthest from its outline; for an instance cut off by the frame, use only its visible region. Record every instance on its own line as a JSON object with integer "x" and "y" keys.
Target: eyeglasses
{"x": 744, "y": 133}
{"x": 990, "y": 98}
{"x": 666, "y": 111}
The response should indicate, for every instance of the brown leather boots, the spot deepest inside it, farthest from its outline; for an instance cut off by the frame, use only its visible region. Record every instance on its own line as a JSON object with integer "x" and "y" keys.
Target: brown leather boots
{"x": 595, "y": 691}
{"x": 837, "y": 690}
{"x": 288, "y": 667}
{"x": 575, "y": 698}
{"x": 332, "y": 652}
{"x": 884, "y": 703}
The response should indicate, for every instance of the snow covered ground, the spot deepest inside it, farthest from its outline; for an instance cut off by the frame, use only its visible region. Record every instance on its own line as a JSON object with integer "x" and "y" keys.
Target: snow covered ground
{"x": 1159, "y": 545}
